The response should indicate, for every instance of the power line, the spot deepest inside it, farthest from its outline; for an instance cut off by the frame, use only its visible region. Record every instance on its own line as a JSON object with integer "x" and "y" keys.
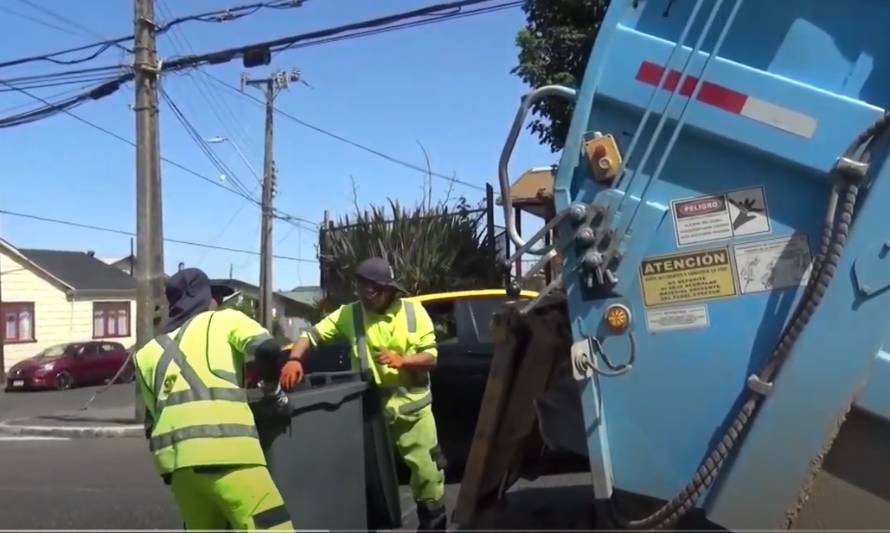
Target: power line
{"x": 218, "y": 106}
{"x": 65, "y": 20}
{"x": 205, "y": 148}
{"x": 132, "y": 234}
{"x": 457, "y": 14}
{"x": 220, "y": 15}
{"x": 35, "y": 20}
{"x": 280, "y": 215}
{"x": 283, "y": 43}
{"x": 192, "y": 61}
{"x": 128, "y": 141}
{"x": 350, "y": 142}
{"x": 224, "y": 169}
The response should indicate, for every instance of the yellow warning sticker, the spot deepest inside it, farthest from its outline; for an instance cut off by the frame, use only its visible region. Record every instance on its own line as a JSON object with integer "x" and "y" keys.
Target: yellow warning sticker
{"x": 693, "y": 276}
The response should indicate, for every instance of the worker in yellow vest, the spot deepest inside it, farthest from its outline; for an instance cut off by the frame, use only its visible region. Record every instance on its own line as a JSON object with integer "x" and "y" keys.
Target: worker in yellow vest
{"x": 200, "y": 428}
{"x": 394, "y": 340}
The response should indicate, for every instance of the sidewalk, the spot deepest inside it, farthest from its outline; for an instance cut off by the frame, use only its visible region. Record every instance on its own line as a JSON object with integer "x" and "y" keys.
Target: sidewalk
{"x": 117, "y": 421}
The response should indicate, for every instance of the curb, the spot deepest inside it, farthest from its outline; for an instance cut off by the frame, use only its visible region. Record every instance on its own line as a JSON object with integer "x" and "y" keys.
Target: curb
{"x": 74, "y": 432}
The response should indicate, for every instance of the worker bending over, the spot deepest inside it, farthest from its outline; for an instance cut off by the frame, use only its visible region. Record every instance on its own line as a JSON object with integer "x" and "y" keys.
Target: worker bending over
{"x": 393, "y": 338}
{"x": 199, "y": 425}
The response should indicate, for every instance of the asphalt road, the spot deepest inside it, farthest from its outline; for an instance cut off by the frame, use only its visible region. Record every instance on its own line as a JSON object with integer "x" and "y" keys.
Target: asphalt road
{"x": 28, "y": 404}
{"x": 95, "y": 484}
{"x": 105, "y": 483}
{"x": 82, "y": 484}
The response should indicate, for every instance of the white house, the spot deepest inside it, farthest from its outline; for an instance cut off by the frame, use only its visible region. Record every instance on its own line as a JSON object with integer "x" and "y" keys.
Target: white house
{"x": 49, "y": 297}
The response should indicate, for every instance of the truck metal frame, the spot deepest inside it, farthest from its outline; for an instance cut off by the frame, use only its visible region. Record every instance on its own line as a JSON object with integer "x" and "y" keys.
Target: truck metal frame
{"x": 721, "y": 205}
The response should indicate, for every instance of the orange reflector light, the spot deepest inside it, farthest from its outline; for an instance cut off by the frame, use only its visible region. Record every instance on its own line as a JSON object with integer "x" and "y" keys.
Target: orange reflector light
{"x": 617, "y": 318}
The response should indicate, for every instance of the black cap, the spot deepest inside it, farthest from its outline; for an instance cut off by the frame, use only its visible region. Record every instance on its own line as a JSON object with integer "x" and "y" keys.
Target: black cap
{"x": 188, "y": 293}
{"x": 378, "y": 271}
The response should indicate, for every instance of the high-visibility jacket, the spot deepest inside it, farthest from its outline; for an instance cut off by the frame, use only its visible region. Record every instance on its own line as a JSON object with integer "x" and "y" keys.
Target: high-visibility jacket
{"x": 190, "y": 381}
{"x": 405, "y": 327}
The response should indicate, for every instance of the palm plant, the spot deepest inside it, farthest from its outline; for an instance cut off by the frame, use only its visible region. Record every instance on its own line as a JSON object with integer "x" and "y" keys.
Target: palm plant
{"x": 431, "y": 248}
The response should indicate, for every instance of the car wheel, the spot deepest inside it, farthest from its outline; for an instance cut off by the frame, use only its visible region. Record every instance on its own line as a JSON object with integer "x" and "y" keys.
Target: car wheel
{"x": 63, "y": 380}
{"x": 127, "y": 376}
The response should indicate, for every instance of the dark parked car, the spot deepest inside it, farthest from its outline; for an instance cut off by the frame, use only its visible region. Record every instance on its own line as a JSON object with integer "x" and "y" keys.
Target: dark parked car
{"x": 68, "y": 365}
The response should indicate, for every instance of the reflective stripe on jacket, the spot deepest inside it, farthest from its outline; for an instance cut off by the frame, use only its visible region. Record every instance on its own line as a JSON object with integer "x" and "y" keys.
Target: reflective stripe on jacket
{"x": 405, "y": 328}
{"x": 191, "y": 385}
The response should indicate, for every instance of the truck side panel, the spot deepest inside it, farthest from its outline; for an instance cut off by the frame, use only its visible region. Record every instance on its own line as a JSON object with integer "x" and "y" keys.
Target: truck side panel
{"x": 719, "y": 214}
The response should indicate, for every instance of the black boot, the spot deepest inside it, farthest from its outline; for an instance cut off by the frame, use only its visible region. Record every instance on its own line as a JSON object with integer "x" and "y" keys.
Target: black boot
{"x": 431, "y": 516}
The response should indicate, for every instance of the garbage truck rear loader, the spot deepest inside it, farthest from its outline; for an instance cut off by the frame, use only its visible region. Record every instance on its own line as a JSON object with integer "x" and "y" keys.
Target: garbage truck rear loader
{"x": 722, "y": 204}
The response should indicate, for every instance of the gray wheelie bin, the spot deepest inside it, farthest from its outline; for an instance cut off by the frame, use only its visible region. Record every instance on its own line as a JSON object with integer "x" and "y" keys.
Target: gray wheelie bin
{"x": 331, "y": 458}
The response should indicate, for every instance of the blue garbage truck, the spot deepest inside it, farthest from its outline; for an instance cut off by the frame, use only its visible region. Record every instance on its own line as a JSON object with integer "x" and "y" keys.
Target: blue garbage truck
{"x": 715, "y": 341}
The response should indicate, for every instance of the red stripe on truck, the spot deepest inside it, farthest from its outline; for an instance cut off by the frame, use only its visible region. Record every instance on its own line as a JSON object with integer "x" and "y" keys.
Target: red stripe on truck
{"x": 710, "y": 93}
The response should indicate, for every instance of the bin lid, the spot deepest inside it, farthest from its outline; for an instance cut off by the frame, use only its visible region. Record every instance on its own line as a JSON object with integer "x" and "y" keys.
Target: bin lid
{"x": 328, "y": 395}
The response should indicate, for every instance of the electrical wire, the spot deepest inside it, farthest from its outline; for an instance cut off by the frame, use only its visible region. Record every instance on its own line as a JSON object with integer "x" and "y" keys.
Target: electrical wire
{"x": 223, "y": 56}
{"x": 35, "y": 20}
{"x": 62, "y": 83}
{"x": 226, "y": 170}
{"x": 54, "y": 95}
{"x": 434, "y": 19}
{"x": 282, "y": 43}
{"x": 219, "y": 15}
{"x": 202, "y": 144}
{"x": 93, "y": 125}
{"x": 69, "y": 22}
{"x": 350, "y": 142}
{"x": 279, "y": 214}
{"x": 223, "y": 112}
{"x": 133, "y": 234}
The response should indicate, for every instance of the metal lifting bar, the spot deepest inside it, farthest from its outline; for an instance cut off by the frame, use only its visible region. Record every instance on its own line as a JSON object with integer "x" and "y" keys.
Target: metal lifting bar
{"x": 503, "y": 174}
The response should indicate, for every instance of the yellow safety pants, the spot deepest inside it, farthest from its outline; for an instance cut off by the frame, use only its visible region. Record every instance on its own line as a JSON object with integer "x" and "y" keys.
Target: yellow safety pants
{"x": 415, "y": 439}
{"x": 242, "y": 498}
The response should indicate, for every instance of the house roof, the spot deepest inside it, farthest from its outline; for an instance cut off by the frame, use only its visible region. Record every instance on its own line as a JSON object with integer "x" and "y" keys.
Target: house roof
{"x": 293, "y": 304}
{"x": 80, "y": 271}
{"x": 307, "y": 295}
{"x": 117, "y": 259}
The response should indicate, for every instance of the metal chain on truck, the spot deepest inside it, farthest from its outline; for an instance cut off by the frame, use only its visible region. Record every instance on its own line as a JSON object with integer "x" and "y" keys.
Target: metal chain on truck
{"x": 848, "y": 174}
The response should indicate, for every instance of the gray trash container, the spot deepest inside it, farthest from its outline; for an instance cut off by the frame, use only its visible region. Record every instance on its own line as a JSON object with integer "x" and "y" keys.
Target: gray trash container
{"x": 317, "y": 457}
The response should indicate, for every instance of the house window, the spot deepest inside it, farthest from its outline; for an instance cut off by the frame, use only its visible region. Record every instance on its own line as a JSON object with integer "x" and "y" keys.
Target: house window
{"x": 111, "y": 319}
{"x": 18, "y": 321}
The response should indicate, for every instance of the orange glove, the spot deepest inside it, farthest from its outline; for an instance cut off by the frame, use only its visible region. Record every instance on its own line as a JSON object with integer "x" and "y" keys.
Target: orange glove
{"x": 391, "y": 359}
{"x": 291, "y": 374}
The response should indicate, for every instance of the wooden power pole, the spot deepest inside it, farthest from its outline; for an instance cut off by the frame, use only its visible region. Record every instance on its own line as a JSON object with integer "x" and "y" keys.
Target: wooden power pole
{"x": 270, "y": 86}
{"x": 149, "y": 219}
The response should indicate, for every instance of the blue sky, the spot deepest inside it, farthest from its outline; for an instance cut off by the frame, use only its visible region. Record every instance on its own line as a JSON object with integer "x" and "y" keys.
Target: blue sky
{"x": 445, "y": 85}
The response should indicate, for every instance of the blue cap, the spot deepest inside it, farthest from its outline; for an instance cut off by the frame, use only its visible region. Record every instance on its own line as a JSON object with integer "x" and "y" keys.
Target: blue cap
{"x": 377, "y": 271}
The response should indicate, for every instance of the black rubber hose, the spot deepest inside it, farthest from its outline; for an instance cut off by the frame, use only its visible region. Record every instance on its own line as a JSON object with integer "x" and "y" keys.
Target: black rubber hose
{"x": 710, "y": 468}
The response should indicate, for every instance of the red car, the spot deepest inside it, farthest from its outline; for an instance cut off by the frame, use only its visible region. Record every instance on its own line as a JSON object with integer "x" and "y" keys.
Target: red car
{"x": 64, "y": 366}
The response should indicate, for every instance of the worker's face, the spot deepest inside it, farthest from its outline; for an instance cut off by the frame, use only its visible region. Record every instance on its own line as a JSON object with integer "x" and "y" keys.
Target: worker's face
{"x": 374, "y": 297}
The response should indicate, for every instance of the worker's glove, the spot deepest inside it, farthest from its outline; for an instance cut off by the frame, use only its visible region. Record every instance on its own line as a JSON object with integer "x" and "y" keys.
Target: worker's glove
{"x": 291, "y": 374}
{"x": 391, "y": 359}
{"x": 276, "y": 398}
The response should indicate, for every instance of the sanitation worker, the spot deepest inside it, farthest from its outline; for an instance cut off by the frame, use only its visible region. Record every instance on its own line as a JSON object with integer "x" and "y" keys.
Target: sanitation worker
{"x": 200, "y": 428}
{"x": 393, "y": 338}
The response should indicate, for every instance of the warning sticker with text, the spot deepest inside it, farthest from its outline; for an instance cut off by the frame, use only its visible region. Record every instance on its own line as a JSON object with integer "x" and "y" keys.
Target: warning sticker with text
{"x": 700, "y": 275}
{"x": 773, "y": 264}
{"x": 676, "y": 318}
{"x": 720, "y": 216}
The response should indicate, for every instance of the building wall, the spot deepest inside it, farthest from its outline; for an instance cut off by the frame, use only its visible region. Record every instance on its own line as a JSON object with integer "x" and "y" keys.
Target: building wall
{"x": 56, "y": 320}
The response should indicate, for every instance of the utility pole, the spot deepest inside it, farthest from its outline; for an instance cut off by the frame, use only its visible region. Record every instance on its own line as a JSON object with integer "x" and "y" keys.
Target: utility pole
{"x": 270, "y": 86}
{"x": 149, "y": 219}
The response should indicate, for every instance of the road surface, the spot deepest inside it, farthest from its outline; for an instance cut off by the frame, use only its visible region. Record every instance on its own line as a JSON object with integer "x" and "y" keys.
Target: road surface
{"x": 110, "y": 483}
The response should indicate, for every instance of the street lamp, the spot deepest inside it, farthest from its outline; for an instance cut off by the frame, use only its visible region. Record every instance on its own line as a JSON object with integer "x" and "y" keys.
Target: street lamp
{"x": 219, "y": 140}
